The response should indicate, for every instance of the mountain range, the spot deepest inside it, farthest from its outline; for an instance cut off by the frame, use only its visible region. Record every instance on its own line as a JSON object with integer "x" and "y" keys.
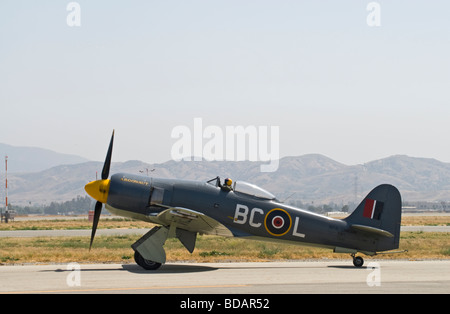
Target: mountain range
{"x": 308, "y": 178}
{"x": 33, "y": 159}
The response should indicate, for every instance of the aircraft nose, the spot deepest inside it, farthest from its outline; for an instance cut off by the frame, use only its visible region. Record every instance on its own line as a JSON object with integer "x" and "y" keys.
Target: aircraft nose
{"x": 98, "y": 190}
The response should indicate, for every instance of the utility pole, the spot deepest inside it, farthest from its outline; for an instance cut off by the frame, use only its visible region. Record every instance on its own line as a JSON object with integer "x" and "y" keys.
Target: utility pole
{"x": 1, "y": 214}
{"x": 6, "y": 190}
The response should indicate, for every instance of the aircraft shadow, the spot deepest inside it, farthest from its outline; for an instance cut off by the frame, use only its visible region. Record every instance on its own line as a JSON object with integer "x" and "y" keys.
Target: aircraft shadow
{"x": 134, "y": 268}
{"x": 183, "y": 268}
{"x": 168, "y": 269}
{"x": 346, "y": 267}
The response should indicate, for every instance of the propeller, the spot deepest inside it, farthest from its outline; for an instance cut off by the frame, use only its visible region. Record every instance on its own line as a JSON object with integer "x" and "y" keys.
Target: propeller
{"x": 97, "y": 212}
{"x": 99, "y": 189}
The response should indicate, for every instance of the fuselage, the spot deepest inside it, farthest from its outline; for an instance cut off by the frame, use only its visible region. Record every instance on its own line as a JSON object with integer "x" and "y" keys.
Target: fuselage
{"x": 245, "y": 215}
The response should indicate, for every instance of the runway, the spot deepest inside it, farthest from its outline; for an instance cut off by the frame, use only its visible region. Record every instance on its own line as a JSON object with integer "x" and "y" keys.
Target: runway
{"x": 117, "y": 232}
{"x": 297, "y": 277}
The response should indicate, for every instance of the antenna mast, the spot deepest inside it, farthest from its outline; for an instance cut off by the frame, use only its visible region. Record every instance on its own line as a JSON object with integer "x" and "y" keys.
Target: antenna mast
{"x": 6, "y": 182}
{"x": 6, "y": 189}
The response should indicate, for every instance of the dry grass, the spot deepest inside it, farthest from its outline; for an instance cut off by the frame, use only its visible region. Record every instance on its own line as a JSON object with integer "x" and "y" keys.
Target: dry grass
{"x": 117, "y": 223}
{"x": 426, "y": 221}
{"x": 61, "y": 224}
{"x": 208, "y": 248}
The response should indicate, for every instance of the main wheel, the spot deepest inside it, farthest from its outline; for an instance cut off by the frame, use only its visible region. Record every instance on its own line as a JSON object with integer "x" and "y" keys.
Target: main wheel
{"x": 358, "y": 261}
{"x": 145, "y": 263}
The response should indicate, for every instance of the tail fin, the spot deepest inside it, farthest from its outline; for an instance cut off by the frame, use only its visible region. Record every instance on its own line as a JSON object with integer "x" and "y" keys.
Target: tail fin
{"x": 380, "y": 214}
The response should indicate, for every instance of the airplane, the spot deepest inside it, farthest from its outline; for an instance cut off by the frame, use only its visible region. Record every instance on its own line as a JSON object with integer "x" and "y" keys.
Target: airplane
{"x": 182, "y": 209}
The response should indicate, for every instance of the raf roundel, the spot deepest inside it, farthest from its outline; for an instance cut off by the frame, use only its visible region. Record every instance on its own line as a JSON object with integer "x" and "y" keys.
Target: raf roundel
{"x": 277, "y": 222}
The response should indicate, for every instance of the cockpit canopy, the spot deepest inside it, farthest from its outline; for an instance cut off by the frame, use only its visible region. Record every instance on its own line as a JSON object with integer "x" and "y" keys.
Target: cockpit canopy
{"x": 253, "y": 190}
{"x": 246, "y": 188}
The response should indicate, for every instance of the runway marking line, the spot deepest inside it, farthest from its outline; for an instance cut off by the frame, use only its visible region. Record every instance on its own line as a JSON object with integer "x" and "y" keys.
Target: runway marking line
{"x": 120, "y": 289}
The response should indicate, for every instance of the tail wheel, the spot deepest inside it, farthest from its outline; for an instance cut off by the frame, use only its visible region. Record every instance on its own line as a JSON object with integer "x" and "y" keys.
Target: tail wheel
{"x": 145, "y": 263}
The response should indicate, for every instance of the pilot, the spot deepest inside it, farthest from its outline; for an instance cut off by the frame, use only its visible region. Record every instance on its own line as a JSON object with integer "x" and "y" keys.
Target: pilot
{"x": 227, "y": 184}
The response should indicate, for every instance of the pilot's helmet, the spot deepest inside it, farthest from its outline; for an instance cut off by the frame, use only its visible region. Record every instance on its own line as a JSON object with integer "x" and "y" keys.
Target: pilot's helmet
{"x": 228, "y": 182}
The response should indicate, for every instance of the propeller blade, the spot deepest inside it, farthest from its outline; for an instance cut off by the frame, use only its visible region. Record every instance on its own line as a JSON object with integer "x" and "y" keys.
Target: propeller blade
{"x": 107, "y": 164}
{"x": 97, "y": 212}
{"x": 101, "y": 186}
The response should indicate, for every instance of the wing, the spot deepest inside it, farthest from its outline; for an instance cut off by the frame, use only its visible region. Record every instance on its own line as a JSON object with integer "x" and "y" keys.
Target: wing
{"x": 193, "y": 221}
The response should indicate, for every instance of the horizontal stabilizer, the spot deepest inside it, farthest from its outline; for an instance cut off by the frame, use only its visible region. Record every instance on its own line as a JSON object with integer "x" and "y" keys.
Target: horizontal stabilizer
{"x": 372, "y": 230}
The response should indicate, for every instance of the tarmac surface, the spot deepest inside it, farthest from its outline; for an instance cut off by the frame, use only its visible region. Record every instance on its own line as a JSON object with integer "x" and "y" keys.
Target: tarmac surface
{"x": 111, "y": 232}
{"x": 296, "y": 277}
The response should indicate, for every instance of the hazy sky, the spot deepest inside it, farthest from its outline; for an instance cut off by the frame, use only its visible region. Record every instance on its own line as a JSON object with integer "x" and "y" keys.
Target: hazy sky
{"x": 333, "y": 84}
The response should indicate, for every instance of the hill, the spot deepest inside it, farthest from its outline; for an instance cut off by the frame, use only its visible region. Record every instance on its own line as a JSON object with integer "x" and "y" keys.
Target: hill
{"x": 313, "y": 178}
{"x": 33, "y": 159}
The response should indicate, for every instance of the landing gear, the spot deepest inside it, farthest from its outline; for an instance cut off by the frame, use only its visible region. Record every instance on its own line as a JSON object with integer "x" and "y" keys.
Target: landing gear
{"x": 145, "y": 263}
{"x": 358, "y": 261}
{"x": 149, "y": 250}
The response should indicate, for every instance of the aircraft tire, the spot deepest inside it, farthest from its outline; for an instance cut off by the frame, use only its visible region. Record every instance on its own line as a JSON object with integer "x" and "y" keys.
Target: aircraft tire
{"x": 358, "y": 261}
{"x": 145, "y": 263}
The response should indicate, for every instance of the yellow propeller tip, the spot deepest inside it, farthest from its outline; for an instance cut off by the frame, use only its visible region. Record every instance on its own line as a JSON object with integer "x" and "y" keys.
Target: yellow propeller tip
{"x": 98, "y": 190}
